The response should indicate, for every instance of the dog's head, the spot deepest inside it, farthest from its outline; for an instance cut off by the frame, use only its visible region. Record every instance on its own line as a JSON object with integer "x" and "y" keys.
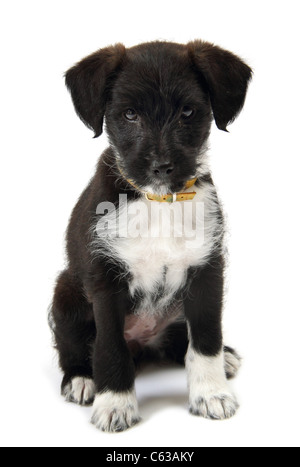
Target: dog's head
{"x": 158, "y": 100}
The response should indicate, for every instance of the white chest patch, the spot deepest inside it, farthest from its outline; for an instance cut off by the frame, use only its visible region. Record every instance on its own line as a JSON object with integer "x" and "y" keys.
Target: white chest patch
{"x": 157, "y": 243}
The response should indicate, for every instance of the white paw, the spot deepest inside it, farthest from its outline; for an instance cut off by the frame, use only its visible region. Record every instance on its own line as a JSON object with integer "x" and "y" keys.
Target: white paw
{"x": 218, "y": 407}
{"x": 114, "y": 412}
{"x": 80, "y": 390}
{"x": 210, "y": 395}
{"x": 233, "y": 362}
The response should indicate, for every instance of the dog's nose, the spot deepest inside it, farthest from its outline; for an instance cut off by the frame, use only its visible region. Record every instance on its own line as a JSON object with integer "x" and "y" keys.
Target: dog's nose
{"x": 162, "y": 170}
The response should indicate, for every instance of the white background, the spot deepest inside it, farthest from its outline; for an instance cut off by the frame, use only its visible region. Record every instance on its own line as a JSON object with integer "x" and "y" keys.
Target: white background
{"x": 47, "y": 158}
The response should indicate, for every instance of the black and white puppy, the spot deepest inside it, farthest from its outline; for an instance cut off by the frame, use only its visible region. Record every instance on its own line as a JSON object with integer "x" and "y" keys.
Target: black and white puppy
{"x": 145, "y": 271}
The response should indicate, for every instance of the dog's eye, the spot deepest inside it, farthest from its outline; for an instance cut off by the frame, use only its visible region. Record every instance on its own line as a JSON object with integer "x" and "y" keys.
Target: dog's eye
{"x": 131, "y": 115}
{"x": 187, "y": 112}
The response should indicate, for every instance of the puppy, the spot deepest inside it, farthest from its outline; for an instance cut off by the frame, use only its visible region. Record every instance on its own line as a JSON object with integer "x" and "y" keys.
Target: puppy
{"x": 145, "y": 273}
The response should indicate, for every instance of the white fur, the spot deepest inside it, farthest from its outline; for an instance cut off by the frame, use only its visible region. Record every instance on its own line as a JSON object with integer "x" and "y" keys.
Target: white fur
{"x": 161, "y": 244}
{"x": 233, "y": 363}
{"x": 209, "y": 392}
{"x": 80, "y": 390}
{"x": 115, "y": 411}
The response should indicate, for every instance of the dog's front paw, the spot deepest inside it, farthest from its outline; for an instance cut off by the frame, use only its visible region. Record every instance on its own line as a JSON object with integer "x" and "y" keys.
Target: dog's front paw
{"x": 114, "y": 412}
{"x": 210, "y": 395}
{"x": 80, "y": 390}
{"x": 217, "y": 407}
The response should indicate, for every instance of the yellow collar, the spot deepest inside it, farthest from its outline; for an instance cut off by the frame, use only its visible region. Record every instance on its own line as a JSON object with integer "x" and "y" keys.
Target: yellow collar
{"x": 172, "y": 197}
{"x": 169, "y": 197}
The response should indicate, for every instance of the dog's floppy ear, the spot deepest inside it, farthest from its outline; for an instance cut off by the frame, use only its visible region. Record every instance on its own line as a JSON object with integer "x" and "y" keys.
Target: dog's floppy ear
{"x": 226, "y": 77}
{"x": 89, "y": 83}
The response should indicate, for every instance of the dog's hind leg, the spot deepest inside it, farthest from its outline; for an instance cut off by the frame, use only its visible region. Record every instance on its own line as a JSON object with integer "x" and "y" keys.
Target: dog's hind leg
{"x": 233, "y": 362}
{"x": 176, "y": 346}
{"x": 176, "y": 342}
{"x": 72, "y": 322}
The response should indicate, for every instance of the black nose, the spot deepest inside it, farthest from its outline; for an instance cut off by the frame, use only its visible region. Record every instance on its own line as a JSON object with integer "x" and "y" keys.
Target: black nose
{"x": 162, "y": 170}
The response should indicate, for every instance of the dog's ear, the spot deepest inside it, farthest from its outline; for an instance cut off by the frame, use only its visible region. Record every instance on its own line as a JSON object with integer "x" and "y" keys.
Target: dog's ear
{"x": 90, "y": 81}
{"x": 226, "y": 77}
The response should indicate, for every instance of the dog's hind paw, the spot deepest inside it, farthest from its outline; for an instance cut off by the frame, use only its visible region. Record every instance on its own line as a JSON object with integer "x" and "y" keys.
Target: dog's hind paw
{"x": 233, "y": 362}
{"x": 80, "y": 390}
{"x": 115, "y": 412}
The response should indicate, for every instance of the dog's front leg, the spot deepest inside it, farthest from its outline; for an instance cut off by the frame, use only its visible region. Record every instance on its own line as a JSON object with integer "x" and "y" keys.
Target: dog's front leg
{"x": 115, "y": 407}
{"x": 209, "y": 393}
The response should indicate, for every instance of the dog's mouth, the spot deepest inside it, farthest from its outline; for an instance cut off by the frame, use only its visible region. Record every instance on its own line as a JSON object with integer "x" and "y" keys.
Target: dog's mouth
{"x": 165, "y": 188}
{"x": 161, "y": 189}
{"x": 155, "y": 186}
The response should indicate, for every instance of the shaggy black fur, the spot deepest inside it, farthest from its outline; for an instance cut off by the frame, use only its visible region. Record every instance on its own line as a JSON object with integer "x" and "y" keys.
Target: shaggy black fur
{"x": 158, "y": 100}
